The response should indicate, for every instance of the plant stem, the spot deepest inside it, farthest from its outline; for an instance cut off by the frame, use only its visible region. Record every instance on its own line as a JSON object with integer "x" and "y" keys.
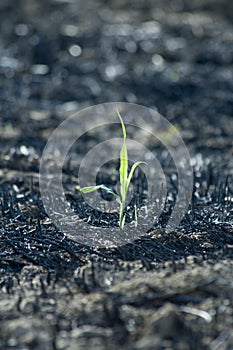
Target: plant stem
{"x": 122, "y": 216}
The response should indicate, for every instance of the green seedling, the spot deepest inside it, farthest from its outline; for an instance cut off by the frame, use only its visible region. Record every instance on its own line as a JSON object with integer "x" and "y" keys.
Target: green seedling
{"x": 125, "y": 179}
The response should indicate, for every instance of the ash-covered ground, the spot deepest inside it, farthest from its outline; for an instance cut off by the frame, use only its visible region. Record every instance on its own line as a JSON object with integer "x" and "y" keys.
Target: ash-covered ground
{"x": 164, "y": 290}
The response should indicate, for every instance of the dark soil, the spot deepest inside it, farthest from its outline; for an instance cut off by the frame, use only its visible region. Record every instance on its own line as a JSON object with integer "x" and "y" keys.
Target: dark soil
{"x": 163, "y": 291}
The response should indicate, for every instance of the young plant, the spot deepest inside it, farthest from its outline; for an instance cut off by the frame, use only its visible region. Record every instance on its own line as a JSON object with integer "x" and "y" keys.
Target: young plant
{"x": 125, "y": 179}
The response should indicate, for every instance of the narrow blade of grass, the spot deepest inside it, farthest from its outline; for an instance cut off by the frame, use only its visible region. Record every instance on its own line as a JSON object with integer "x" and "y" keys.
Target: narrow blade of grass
{"x": 135, "y": 216}
{"x": 90, "y": 189}
{"x": 109, "y": 190}
{"x": 123, "y": 171}
{"x": 135, "y": 165}
{"x": 122, "y": 124}
{"x": 123, "y": 161}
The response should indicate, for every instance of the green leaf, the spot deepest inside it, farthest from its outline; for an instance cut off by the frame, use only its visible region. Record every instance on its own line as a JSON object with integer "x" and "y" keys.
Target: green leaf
{"x": 135, "y": 216}
{"x": 123, "y": 171}
{"x": 123, "y": 161}
{"x": 135, "y": 165}
{"x": 109, "y": 190}
{"x": 122, "y": 124}
{"x": 88, "y": 189}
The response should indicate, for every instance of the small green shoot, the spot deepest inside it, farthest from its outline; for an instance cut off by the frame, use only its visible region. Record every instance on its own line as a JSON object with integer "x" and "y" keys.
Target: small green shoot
{"x": 125, "y": 179}
{"x": 135, "y": 215}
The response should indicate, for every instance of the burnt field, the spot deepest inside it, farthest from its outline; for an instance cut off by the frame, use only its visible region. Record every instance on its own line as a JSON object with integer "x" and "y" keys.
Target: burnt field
{"x": 163, "y": 290}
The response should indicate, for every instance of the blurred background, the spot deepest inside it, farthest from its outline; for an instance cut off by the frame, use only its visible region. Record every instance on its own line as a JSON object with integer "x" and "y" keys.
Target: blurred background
{"x": 58, "y": 56}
